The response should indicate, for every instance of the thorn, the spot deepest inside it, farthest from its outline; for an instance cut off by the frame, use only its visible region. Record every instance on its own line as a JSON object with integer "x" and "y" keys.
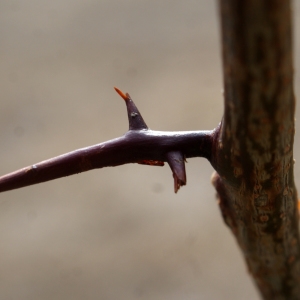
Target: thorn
{"x": 175, "y": 160}
{"x": 135, "y": 119}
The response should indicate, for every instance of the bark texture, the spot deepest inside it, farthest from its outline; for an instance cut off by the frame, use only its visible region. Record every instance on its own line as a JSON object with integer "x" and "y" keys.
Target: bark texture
{"x": 253, "y": 147}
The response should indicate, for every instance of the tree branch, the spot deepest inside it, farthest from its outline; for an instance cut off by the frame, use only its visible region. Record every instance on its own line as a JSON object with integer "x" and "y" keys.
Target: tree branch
{"x": 253, "y": 147}
{"x": 139, "y": 145}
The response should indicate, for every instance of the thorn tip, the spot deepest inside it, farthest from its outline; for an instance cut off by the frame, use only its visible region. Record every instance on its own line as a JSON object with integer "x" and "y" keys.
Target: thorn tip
{"x": 125, "y": 97}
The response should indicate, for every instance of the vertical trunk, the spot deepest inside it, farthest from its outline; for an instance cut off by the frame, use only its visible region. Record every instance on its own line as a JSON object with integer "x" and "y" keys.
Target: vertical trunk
{"x": 253, "y": 149}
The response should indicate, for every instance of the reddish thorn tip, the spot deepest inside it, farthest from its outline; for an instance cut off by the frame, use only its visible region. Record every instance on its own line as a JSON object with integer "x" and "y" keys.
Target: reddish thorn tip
{"x": 125, "y": 97}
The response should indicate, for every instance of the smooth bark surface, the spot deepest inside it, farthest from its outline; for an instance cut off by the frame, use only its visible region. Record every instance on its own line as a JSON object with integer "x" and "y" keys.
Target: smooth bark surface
{"x": 253, "y": 152}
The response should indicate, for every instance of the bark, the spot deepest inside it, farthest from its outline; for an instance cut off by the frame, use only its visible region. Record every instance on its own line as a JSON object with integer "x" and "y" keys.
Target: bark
{"x": 253, "y": 146}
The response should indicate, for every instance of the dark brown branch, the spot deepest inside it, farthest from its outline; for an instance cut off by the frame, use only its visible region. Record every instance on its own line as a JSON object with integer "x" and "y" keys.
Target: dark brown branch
{"x": 253, "y": 148}
{"x": 138, "y": 145}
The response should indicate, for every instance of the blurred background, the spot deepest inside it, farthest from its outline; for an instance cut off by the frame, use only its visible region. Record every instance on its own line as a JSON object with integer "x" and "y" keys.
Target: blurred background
{"x": 115, "y": 233}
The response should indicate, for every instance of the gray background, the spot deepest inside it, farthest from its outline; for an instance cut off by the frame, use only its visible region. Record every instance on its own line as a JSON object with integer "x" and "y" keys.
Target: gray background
{"x": 115, "y": 233}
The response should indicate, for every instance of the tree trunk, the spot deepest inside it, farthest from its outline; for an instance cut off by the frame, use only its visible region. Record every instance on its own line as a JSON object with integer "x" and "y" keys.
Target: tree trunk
{"x": 253, "y": 148}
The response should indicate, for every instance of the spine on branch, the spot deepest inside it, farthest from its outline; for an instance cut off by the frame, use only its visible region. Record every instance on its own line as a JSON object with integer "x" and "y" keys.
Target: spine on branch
{"x": 139, "y": 145}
